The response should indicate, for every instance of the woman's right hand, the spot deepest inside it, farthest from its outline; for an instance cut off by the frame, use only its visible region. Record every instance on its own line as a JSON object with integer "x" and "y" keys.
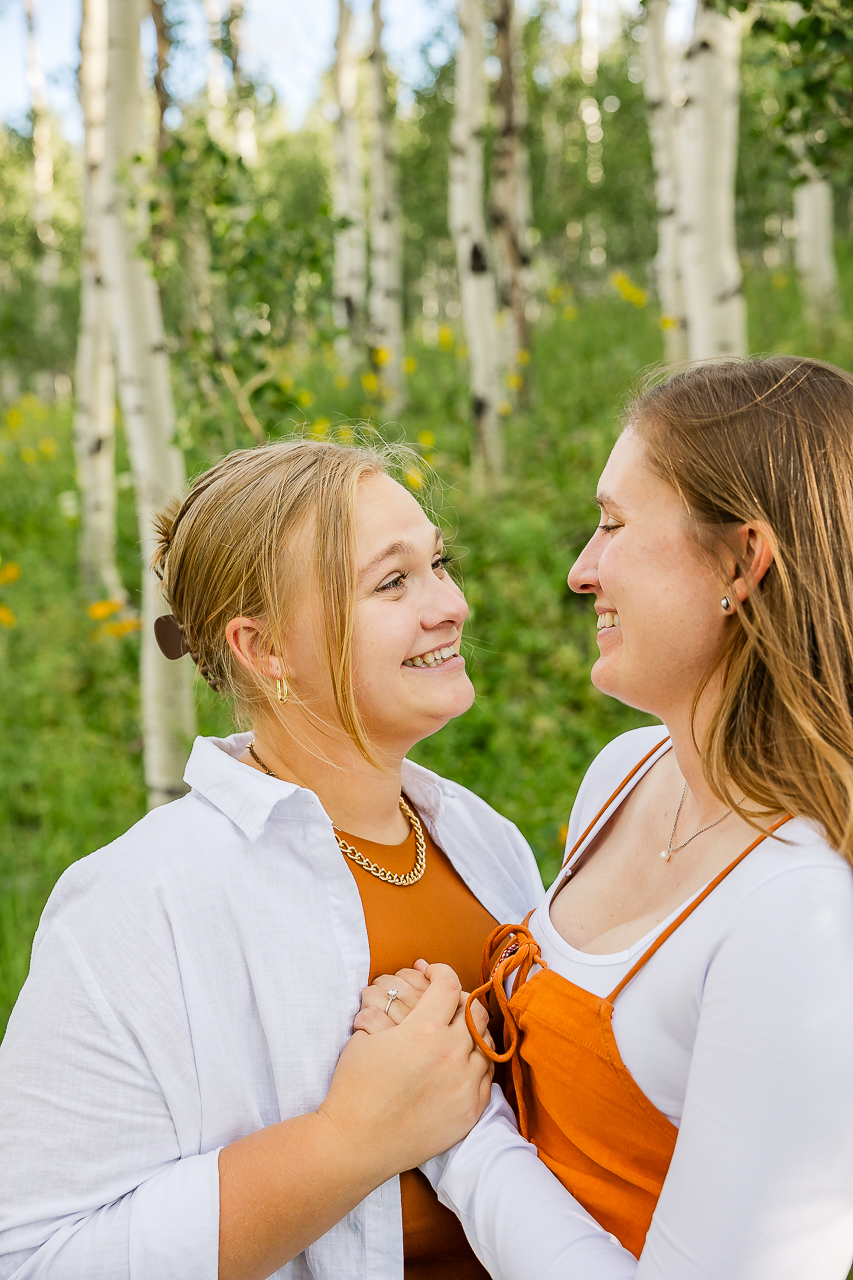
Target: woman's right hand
{"x": 410, "y": 1091}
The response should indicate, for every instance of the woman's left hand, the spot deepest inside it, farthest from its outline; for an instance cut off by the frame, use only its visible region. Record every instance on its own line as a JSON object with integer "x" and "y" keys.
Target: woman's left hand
{"x": 410, "y": 984}
{"x": 378, "y": 1012}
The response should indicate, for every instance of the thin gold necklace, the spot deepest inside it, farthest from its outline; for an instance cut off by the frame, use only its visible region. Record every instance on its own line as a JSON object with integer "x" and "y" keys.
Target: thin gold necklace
{"x": 381, "y": 873}
{"x": 667, "y": 853}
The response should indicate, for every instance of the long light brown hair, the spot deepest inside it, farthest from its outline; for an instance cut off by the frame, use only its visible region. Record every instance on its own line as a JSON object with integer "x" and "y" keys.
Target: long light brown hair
{"x": 771, "y": 441}
{"x": 227, "y": 551}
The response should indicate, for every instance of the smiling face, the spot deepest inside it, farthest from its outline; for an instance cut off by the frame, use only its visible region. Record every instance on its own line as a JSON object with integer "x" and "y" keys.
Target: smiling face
{"x": 408, "y": 614}
{"x": 657, "y": 595}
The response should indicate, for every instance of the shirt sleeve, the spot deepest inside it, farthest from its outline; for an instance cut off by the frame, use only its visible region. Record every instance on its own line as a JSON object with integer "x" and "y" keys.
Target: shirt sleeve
{"x": 761, "y": 1182}
{"x": 93, "y": 1182}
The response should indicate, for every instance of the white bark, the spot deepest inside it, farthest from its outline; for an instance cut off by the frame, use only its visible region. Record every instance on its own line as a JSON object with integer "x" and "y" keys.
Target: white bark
{"x": 468, "y": 229}
{"x": 42, "y": 148}
{"x": 663, "y": 128}
{"x": 385, "y": 304}
{"x": 707, "y": 147}
{"x": 815, "y": 246}
{"x": 94, "y": 419}
{"x": 217, "y": 97}
{"x": 510, "y": 201}
{"x": 146, "y": 399}
{"x": 350, "y": 269}
{"x": 590, "y": 40}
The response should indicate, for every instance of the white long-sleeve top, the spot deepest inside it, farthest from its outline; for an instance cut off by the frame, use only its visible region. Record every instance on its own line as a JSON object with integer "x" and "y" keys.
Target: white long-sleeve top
{"x": 191, "y": 983}
{"x": 740, "y": 1030}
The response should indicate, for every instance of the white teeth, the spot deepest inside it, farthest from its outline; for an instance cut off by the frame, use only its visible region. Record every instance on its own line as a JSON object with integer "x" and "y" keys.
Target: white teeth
{"x": 432, "y": 659}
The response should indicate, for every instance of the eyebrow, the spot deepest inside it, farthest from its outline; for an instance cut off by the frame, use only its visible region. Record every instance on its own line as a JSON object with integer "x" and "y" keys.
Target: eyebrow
{"x": 394, "y": 549}
{"x": 604, "y": 499}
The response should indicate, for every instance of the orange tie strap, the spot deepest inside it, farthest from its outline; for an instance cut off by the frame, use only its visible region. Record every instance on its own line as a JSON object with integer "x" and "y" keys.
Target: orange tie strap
{"x": 511, "y": 948}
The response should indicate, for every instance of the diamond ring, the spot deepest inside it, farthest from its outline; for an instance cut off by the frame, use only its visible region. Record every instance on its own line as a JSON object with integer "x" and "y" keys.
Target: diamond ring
{"x": 392, "y": 994}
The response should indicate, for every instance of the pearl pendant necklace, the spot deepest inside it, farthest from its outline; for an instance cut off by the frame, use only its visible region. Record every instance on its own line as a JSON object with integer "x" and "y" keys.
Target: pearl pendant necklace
{"x": 667, "y": 853}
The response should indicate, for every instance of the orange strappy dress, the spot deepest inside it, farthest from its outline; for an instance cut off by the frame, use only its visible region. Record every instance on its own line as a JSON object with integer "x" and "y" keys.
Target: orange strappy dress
{"x": 573, "y": 1096}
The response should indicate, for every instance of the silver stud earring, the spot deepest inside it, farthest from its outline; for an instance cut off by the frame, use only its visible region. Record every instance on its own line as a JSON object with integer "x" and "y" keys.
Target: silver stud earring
{"x": 726, "y": 603}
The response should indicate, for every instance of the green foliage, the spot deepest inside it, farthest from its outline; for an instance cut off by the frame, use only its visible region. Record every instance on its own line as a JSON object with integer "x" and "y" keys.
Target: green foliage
{"x": 70, "y": 763}
{"x": 38, "y": 282}
{"x": 812, "y": 58}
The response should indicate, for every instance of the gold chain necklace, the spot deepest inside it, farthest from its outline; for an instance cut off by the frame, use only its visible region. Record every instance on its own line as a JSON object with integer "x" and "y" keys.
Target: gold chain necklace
{"x": 381, "y": 873}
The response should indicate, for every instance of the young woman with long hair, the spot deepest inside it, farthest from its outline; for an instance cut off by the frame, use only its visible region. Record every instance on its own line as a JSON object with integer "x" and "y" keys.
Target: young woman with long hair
{"x": 170, "y": 1104}
{"x": 678, "y": 1012}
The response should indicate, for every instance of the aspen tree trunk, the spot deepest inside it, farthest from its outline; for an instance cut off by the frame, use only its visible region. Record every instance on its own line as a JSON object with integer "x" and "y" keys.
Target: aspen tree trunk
{"x": 94, "y": 419}
{"x": 663, "y": 127}
{"x": 245, "y": 135}
{"x": 468, "y": 229}
{"x": 146, "y": 399}
{"x": 815, "y": 247}
{"x": 348, "y": 189}
{"x": 217, "y": 98}
{"x": 510, "y": 202}
{"x": 707, "y": 149}
{"x": 589, "y": 34}
{"x": 385, "y": 303}
{"x": 42, "y": 150}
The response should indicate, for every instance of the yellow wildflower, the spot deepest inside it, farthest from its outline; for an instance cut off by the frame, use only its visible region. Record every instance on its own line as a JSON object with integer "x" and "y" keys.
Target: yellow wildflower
{"x": 410, "y": 364}
{"x": 668, "y": 322}
{"x": 103, "y": 609}
{"x": 380, "y": 356}
{"x": 10, "y": 572}
{"x": 305, "y": 398}
{"x": 522, "y": 356}
{"x": 631, "y": 292}
{"x": 415, "y": 478}
{"x": 28, "y": 455}
{"x": 445, "y": 337}
{"x": 47, "y": 446}
{"x": 122, "y": 628}
{"x": 514, "y": 381}
{"x": 370, "y": 382}
{"x": 7, "y": 617}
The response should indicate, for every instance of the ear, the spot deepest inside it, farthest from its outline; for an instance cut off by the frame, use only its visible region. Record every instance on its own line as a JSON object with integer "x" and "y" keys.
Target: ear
{"x": 754, "y": 553}
{"x": 243, "y": 636}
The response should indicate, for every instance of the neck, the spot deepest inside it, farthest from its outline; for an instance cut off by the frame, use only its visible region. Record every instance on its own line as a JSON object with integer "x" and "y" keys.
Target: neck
{"x": 359, "y": 798}
{"x": 700, "y": 803}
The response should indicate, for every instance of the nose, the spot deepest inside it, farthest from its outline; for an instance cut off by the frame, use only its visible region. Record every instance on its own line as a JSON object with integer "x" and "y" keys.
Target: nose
{"x": 445, "y": 604}
{"x": 583, "y": 575}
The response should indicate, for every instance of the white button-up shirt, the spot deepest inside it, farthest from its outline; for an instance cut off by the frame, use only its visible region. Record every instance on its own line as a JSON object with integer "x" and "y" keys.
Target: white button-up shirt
{"x": 191, "y": 983}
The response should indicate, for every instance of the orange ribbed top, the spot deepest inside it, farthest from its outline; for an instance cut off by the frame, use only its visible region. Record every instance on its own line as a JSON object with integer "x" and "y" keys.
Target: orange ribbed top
{"x": 436, "y": 919}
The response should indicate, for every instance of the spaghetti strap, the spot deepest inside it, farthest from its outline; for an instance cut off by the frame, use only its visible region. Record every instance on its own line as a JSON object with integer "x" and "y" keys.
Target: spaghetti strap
{"x": 609, "y": 802}
{"x": 690, "y": 908}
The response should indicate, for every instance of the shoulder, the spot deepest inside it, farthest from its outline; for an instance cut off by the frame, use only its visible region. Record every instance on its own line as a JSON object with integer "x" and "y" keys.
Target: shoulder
{"x": 612, "y": 766}
{"x": 171, "y": 849}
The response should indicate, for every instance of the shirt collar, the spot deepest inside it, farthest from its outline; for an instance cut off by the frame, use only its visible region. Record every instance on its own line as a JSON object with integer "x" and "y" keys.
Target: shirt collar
{"x": 249, "y": 798}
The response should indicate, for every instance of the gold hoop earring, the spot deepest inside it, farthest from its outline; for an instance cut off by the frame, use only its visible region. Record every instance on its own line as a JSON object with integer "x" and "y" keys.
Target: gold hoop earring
{"x": 281, "y": 689}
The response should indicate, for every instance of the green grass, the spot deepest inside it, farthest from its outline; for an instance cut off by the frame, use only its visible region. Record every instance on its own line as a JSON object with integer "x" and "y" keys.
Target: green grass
{"x": 70, "y": 754}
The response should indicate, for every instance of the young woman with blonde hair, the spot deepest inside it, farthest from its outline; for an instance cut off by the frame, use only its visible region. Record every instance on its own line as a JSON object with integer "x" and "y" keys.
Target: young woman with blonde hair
{"x": 170, "y": 1104}
{"x": 678, "y": 1012}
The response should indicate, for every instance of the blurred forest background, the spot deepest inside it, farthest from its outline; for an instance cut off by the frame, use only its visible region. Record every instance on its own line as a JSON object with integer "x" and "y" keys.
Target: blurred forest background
{"x": 483, "y": 263}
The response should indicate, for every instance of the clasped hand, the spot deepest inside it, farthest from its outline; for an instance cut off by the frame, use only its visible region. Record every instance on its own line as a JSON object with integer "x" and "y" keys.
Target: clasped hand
{"x": 410, "y": 1083}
